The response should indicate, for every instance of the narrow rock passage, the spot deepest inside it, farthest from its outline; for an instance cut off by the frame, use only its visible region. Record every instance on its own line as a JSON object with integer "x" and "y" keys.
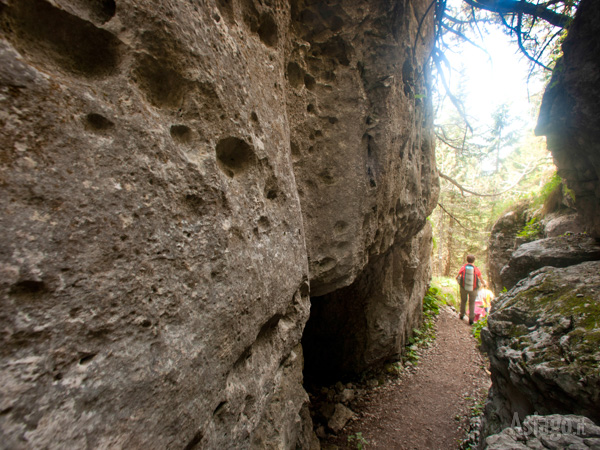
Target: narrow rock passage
{"x": 428, "y": 408}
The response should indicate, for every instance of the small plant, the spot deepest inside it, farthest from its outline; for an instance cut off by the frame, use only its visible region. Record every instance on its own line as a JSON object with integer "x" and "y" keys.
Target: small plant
{"x": 426, "y": 334}
{"x": 532, "y": 230}
{"x": 478, "y": 407}
{"x": 359, "y": 441}
{"x": 477, "y": 327}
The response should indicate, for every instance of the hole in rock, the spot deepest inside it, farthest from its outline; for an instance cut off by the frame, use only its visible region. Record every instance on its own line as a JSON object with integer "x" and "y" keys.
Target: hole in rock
{"x": 74, "y": 44}
{"x": 334, "y": 339}
{"x": 181, "y": 133}
{"x": 295, "y": 74}
{"x": 271, "y": 190}
{"x": 234, "y": 156}
{"x": 267, "y": 30}
{"x": 195, "y": 441}
{"x": 100, "y": 11}
{"x": 226, "y": 9}
{"x": 86, "y": 358}
{"x": 309, "y": 82}
{"x": 163, "y": 86}
{"x": 97, "y": 122}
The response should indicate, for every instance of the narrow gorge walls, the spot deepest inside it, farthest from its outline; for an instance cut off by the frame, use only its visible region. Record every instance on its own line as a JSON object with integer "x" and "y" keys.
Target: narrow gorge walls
{"x": 177, "y": 179}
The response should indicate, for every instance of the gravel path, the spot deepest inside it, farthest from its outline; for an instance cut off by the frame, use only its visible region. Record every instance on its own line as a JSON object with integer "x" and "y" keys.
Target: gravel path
{"x": 429, "y": 406}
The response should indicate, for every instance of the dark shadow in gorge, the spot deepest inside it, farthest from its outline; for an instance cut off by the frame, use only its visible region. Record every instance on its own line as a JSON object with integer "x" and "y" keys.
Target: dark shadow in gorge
{"x": 333, "y": 338}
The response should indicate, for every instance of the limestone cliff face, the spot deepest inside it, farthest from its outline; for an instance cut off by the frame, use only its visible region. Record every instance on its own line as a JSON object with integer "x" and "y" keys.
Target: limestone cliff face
{"x": 570, "y": 110}
{"x": 363, "y": 155}
{"x": 160, "y": 165}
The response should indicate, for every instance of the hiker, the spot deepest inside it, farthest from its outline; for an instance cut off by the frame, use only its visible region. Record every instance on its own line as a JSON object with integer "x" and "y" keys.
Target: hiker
{"x": 486, "y": 296}
{"x": 469, "y": 278}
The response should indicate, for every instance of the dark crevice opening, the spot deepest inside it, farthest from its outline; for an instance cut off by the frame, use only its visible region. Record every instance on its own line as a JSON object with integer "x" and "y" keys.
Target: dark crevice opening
{"x": 333, "y": 341}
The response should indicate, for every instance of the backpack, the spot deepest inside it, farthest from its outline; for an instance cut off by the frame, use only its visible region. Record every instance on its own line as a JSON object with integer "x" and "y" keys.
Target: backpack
{"x": 468, "y": 278}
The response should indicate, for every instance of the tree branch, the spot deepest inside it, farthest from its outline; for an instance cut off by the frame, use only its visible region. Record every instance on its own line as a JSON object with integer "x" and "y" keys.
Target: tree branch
{"x": 522, "y": 7}
{"x": 458, "y": 221}
{"x": 438, "y": 57}
{"x": 515, "y": 184}
{"x": 520, "y": 43}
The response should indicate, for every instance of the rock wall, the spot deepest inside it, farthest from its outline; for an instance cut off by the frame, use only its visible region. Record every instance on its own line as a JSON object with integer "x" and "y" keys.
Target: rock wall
{"x": 561, "y": 251}
{"x": 368, "y": 322}
{"x": 172, "y": 175}
{"x": 364, "y": 163}
{"x": 503, "y": 241}
{"x": 542, "y": 340}
{"x": 570, "y": 110}
{"x": 364, "y": 153}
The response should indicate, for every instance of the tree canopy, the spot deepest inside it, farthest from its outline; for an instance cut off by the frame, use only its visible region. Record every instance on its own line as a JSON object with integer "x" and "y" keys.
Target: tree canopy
{"x": 486, "y": 168}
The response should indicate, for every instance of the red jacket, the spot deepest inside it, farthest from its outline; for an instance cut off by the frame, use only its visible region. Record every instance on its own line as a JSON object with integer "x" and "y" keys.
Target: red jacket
{"x": 476, "y": 272}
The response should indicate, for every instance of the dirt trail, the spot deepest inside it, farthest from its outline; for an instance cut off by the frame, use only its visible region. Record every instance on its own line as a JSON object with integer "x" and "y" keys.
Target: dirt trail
{"x": 428, "y": 408}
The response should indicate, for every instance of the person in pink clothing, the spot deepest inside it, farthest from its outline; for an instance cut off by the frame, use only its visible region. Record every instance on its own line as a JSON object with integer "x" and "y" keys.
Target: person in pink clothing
{"x": 469, "y": 278}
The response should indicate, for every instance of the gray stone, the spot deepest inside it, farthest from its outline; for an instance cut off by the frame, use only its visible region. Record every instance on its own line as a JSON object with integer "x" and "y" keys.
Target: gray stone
{"x": 503, "y": 241}
{"x": 555, "y": 432}
{"x": 558, "y": 225}
{"x": 542, "y": 343}
{"x": 340, "y": 418}
{"x": 347, "y": 396}
{"x": 561, "y": 251}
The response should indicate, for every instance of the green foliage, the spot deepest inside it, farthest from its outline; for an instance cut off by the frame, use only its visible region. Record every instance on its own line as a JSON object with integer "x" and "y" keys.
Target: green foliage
{"x": 422, "y": 337}
{"x": 478, "y": 406}
{"x": 448, "y": 290}
{"x": 548, "y": 189}
{"x": 477, "y": 327}
{"x": 359, "y": 441}
{"x": 432, "y": 301}
{"x": 532, "y": 230}
{"x": 568, "y": 192}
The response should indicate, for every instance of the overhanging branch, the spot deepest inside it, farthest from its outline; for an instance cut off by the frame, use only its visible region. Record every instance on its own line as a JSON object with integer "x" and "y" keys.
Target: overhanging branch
{"x": 458, "y": 221}
{"x": 514, "y": 185}
{"x": 521, "y": 7}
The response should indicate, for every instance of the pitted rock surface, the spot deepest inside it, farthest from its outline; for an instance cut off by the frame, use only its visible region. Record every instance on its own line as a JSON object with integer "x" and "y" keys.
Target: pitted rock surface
{"x": 162, "y": 207}
{"x": 503, "y": 241}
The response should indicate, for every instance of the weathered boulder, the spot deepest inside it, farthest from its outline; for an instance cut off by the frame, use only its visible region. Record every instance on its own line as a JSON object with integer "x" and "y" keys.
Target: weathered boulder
{"x": 547, "y": 432}
{"x": 570, "y": 110}
{"x": 560, "y": 224}
{"x": 339, "y": 419}
{"x": 543, "y": 343}
{"x": 154, "y": 264}
{"x": 503, "y": 241}
{"x": 561, "y": 251}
